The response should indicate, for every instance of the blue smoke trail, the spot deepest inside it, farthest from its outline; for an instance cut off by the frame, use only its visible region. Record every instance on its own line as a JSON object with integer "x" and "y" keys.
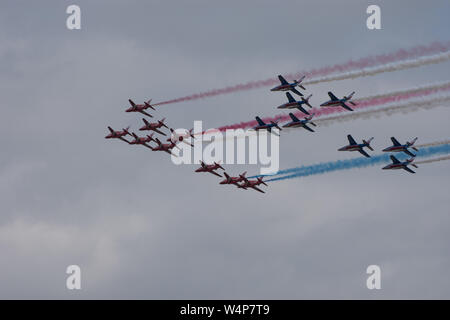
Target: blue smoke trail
{"x": 354, "y": 163}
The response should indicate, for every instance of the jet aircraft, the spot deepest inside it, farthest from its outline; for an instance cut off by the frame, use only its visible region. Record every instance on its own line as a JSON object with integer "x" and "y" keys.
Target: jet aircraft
{"x": 335, "y": 102}
{"x": 118, "y": 134}
{"x": 154, "y": 126}
{"x": 252, "y": 184}
{"x": 353, "y": 146}
{"x": 266, "y": 126}
{"x": 396, "y": 164}
{"x": 233, "y": 180}
{"x": 286, "y": 86}
{"x": 398, "y": 147}
{"x": 296, "y": 104}
{"x": 295, "y": 123}
{"x": 210, "y": 168}
{"x": 140, "y": 107}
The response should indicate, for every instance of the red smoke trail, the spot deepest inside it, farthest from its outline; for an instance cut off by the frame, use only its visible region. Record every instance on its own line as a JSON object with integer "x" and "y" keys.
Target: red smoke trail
{"x": 324, "y": 111}
{"x": 370, "y": 61}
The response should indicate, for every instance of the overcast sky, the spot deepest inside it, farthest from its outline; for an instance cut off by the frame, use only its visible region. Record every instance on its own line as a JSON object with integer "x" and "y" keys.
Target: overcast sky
{"x": 141, "y": 227}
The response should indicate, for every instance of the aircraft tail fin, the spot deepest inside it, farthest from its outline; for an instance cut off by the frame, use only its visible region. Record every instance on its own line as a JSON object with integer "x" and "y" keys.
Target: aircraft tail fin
{"x": 306, "y": 100}
{"x": 368, "y": 143}
{"x": 148, "y": 105}
{"x": 299, "y": 81}
{"x": 260, "y": 179}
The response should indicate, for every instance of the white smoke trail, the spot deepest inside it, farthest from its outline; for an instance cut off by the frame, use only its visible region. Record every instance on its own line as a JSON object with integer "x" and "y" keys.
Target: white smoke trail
{"x": 434, "y": 86}
{"x": 431, "y": 144}
{"x": 433, "y": 160}
{"x": 390, "y": 110}
{"x": 384, "y": 68}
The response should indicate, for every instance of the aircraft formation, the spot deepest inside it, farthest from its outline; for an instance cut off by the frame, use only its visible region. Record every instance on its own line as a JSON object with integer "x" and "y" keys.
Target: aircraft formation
{"x": 240, "y": 181}
{"x": 333, "y": 102}
{"x": 299, "y": 104}
{"x": 396, "y": 147}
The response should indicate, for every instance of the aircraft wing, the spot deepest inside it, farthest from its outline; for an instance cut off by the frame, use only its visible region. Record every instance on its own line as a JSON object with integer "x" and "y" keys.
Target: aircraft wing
{"x": 346, "y": 106}
{"x": 308, "y": 128}
{"x": 145, "y": 113}
{"x": 409, "y": 152}
{"x": 257, "y": 189}
{"x": 260, "y": 122}
{"x": 351, "y": 140}
{"x": 297, "y": 92}
{"x": 394, "y": 159}
{"x": 160, "y": 132}
{"x": 364, "y": 153}
{"x": 302, "y": 109}
{"x": 332, "y": 96}
{"x": 395, "y": 142}
{"x": 408, "y": 169}
{"x": 213, "y": 172}
{"x": 123, "y": 139}
{"x": 282, "y": 79}
{"x": 290, "y": 97}
{"x": 294, "y": 118}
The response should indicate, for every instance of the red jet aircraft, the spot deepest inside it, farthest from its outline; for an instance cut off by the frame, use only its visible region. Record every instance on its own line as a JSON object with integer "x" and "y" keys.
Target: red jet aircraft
{"x": 140, "y": 107}
{"x": 252, "y": 184}
{"x": 142, "y": 140}
{"x": 181, "y": 137}
{"x": 153, "y": 126}
{"x": 166, "y": 147}
{"x": 118, "y": 134}
{"x": 210, "y": 168}
{"x": 233, "y": 180}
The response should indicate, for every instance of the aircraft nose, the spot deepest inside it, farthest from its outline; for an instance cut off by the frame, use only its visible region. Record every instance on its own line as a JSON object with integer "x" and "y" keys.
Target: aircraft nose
{"x": 385, "y": 149}
{"x": 341, "y": 149}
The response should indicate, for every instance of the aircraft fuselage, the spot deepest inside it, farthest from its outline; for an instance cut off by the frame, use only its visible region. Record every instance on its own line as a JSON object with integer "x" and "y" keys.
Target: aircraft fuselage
{"x": 355, "y": 147}
{"x": 333, "y": 103}
{"x": 283, "y": 87}
{"x": 396, "y": 149}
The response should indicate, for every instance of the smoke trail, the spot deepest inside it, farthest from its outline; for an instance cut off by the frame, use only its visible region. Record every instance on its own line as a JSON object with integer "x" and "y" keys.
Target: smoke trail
{"x": 385, "y": 68}
{"x": 433, "y": 160}
{"x": 362, "y": 103}
{"x": 411, "y": 106}
{"x": 367, "y": 62}
{"x": 433, "y": 144}
{"x": 434, "y": 87}
{"x": 362, "y": 159}
{"x": 390, "y": 110}
{"x": 355, "y": 163}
